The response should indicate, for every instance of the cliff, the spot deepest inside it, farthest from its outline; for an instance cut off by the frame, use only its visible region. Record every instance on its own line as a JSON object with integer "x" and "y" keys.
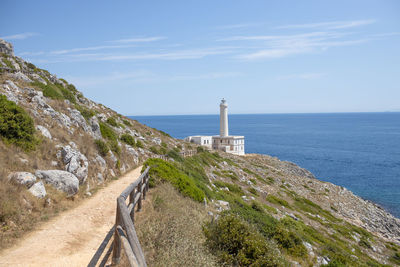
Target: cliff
{"x": 58, "y": 147}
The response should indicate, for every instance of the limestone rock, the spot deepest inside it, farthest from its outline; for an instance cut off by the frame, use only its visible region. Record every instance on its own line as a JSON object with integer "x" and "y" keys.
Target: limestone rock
{"x": 75, "y": 162}
{"x": 38, "y": 190}
{"x": 6, "y": 48}
{"x": 20, "y": 76}
{"x": 100, "y": 178}
{"x": 94, "y": 124}
{"x": 78, "y": 120}
{"x": 61, "y": 180}
{"x": 156, "y": 140}
{"x": 24, "y": 178}
{"x": 44, "y": 131}
{"x": 11, "y": 91}
{"x": 38, "y": 78}
{"x": 102, "y": 163}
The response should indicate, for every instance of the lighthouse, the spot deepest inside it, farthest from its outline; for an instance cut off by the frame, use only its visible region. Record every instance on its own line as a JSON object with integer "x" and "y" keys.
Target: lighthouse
{"x": 223, "y": 119}
{"x": 233, "y": 144}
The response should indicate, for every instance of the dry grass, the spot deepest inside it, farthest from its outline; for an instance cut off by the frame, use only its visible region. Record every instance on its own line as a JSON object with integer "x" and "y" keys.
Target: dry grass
{"x": 170, "y": 230}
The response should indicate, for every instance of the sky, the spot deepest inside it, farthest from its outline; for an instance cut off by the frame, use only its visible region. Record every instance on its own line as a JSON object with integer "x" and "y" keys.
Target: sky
{"x": 182, "y": 57}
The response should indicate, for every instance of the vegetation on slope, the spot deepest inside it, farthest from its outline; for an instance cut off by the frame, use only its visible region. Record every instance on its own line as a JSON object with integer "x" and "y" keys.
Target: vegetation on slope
{"x": 250, "y": 233}
{"x": 16, "y": 126}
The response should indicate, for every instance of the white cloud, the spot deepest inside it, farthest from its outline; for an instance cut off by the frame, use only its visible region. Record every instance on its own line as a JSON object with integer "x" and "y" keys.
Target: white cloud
{"x": 277, "y": 46}
{"x": 91, "y": 48}
{"x": 139, "y": 39}
{"x": 19, "y": 36}
{"x": 142, "y": 76}
{"x": 332, "y": 25}
{"x": 302, "y": 76}
{"x": 169, "y": 55}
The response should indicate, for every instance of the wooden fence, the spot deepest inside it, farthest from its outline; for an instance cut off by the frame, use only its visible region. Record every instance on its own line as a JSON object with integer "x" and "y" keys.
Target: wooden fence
{"x": 124, "y": 230}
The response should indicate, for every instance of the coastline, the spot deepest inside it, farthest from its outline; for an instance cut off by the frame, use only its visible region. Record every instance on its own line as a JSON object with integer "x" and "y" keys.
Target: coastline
{"x": 338, "y": 200}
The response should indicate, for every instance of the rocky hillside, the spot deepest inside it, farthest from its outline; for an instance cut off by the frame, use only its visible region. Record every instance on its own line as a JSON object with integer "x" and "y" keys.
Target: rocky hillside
{"x": 56, "y": 141}
{"x": 58, "y": 147}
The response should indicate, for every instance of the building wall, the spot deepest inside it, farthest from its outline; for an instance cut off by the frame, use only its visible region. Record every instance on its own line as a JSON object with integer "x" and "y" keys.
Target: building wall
{"x": 229, "y": 144}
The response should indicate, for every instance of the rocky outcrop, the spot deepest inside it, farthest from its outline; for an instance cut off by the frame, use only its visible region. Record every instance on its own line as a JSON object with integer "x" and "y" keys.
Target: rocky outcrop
{"x": 23, "y": 178}
{"x": 38, "y": 190}
{"x": 61, "y": 180}
{"x": 6, "y": 48}
{"x": 75, "y": 162}
{"x": 94, "y": 124}
{"x": 44, "y": 131}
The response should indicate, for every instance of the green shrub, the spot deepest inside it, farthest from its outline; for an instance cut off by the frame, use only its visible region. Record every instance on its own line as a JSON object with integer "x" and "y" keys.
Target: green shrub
{"x": 139, "y": 144}
{"x": 126, "y": 122}
{"x": 276, "y": 200}
{"x": 289, "y": 241}
{"x": 112, "y": 122}
{"x": 395, "y": 258}
{"x": 107, "y": 132}
{"x": 175, "y": 155}
{"x": 114, "y": 147}
{"x": 102, "y": 147}
{"x": 86, "y": 113}
{"x": 163, "y": 170}
{"x": 128, "y": 139}
{"x": 232, "y": 187}
{"x": 55, "y": 91}
{"x": 164, "y": 145}
{"x": 200, "y": 149}
{"x": 30, "y": 65}
{"x": 253, "y": 191}
{"x": 8, "y": 63}
{"x": 238, "y": 244}
{"x": 16, "y": 126}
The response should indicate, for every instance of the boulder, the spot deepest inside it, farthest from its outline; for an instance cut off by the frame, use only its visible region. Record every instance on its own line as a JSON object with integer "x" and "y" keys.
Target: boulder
{"x": 11, "y": 91}
{"x": 156, "y": 140}
{"x": 102, "y": 163}
{"x": 20, "y": 76}
{"x": 94, "y": 124}
{"x": 38, "y": 190}
{"x": 44, "y": 131}
{"x": 24, "y": 178}
{"x": 61, "y": 180}
{"x": 6, "y": 48}
{"x": 75, "y": 162}
{"x": 38, "y": 78}
{"x": 100, "y": 178}
{"x": 78, "y": 120}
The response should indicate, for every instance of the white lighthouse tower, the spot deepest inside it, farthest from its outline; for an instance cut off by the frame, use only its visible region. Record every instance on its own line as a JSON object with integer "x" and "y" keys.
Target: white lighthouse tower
{"x": 233, "y": 144}
{"x": 223, "y": 119}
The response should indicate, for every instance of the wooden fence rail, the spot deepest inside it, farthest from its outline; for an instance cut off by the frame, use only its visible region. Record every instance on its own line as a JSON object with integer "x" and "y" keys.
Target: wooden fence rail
{"x": 123, "y": 231}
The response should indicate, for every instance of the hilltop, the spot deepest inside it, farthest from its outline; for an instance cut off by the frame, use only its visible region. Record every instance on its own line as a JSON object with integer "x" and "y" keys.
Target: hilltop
{"x": 58, "y": 147}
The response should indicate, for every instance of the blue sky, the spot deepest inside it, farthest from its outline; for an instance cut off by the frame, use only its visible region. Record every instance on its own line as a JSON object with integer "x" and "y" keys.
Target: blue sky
{"x": 182, "y": 57}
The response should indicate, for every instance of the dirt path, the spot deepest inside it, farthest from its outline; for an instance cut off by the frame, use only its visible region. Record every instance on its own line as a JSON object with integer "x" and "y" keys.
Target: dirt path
{"x": 72, "y": 238}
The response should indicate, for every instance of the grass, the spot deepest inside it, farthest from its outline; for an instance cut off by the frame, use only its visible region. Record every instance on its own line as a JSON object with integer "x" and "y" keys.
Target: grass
{"x": 170, "y": 230}
{"x": 55, "y": 91}
{"x": 16, "y": 126}
{"x": 165, "y": 171}
{"x": 278, "y": 201}
{"x": 107, "y": 132}
{"x": 237, "y": 243}
{"x": 112, "y": 122}
{"x": 128, "y": 139}
{"x": 102, "y": 147}
{"x": 85, "y": 112}
{"x": 232, "y": 187}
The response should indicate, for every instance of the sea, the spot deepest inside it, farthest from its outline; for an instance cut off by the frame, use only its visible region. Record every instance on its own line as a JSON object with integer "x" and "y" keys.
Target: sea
{"x": 360, "y": 151}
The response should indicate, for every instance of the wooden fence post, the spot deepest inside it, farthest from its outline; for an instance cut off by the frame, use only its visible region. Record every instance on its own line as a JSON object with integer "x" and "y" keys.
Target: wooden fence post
{"x": 116, "y": 256}
{"x": 141, "y": 195}
{"x": 131, "y": 201}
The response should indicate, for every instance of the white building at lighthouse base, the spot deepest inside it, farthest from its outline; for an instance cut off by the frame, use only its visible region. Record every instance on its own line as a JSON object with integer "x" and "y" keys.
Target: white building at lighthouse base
{"x": 233, "y": 144}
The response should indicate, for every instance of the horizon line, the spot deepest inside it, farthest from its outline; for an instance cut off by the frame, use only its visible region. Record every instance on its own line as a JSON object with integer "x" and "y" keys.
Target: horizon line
{"x": 277, "y": 113}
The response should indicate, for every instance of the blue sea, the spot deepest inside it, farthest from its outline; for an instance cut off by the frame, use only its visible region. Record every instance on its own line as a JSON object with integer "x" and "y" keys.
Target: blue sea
{"x": 360, "y": 151}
